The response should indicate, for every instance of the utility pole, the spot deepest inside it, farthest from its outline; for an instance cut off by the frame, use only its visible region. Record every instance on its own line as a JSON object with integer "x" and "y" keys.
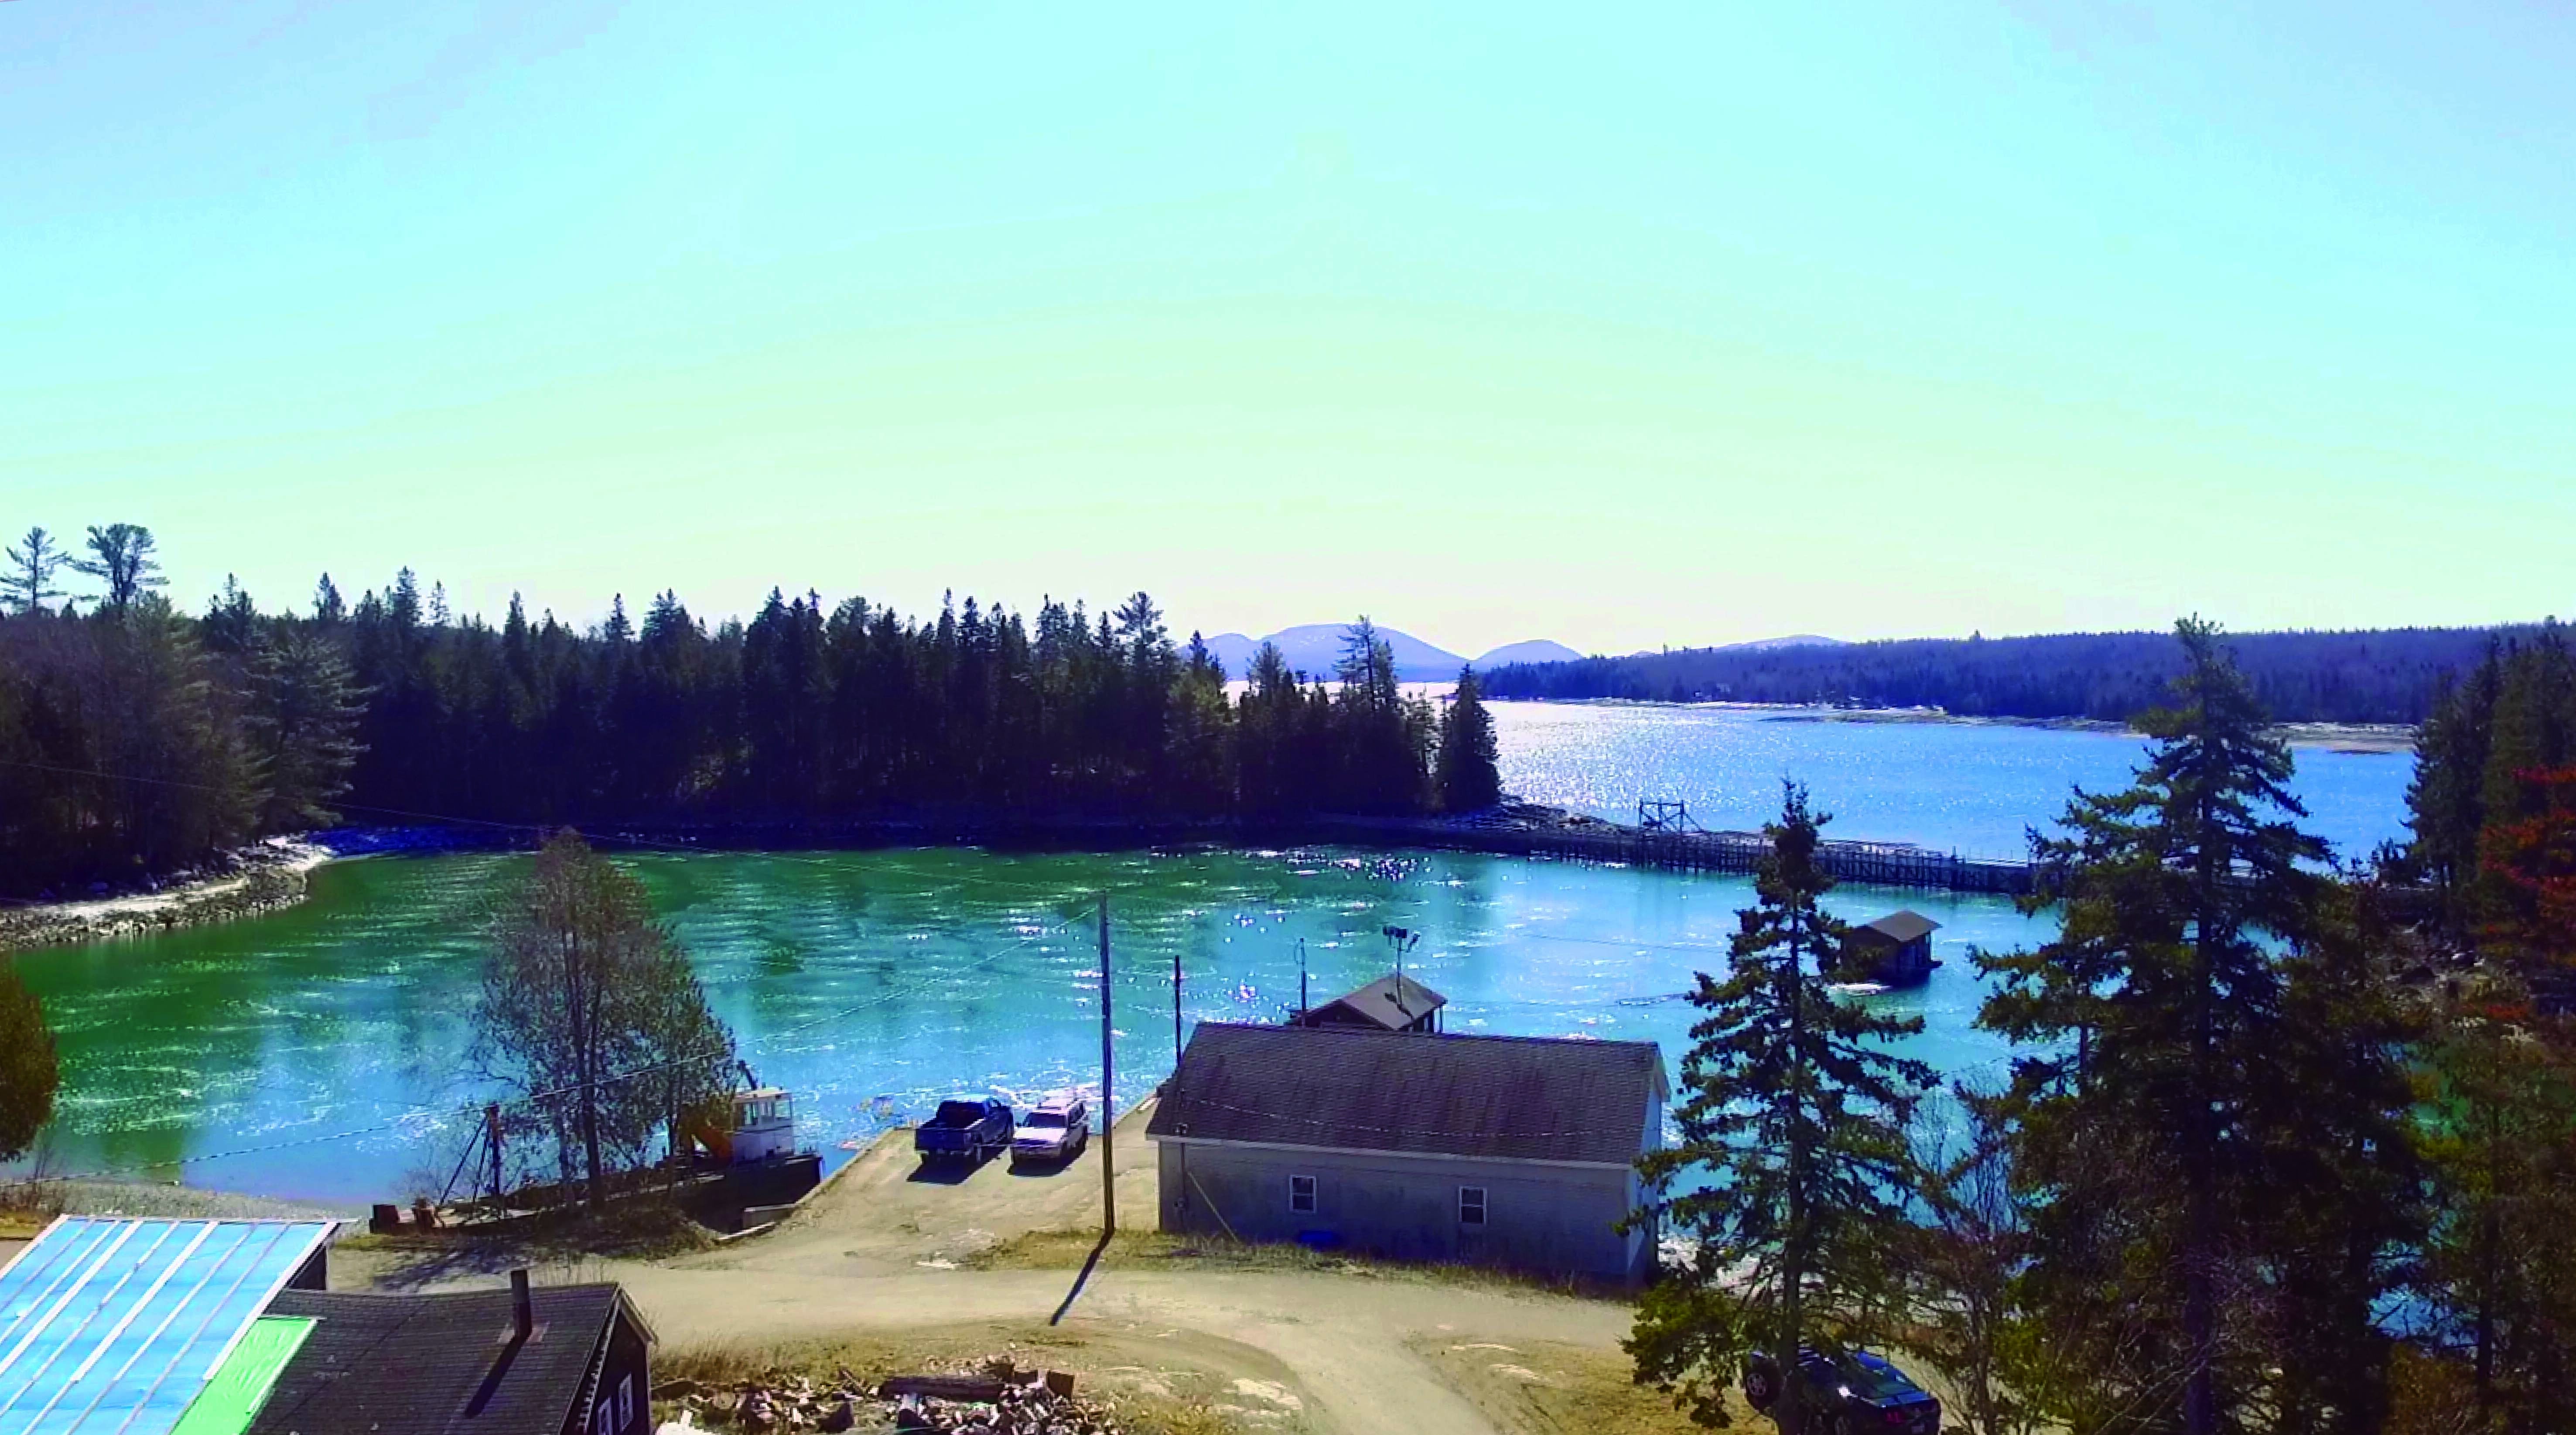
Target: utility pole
{"x": 1108, "y": 1107}
{"x": 492, "y": 1131}
{"x": 1176, "y": 1007}
{"x": 1301, "y": 977}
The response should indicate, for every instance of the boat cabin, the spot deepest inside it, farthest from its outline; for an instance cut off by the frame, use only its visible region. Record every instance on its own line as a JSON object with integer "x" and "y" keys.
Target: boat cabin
{"x": 764, "y": 1124}
{"x": 1895, "y": 950}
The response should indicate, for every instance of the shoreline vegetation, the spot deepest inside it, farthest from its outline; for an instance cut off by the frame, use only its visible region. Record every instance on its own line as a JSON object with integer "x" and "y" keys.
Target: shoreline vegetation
{"x": 2393, "y": 676}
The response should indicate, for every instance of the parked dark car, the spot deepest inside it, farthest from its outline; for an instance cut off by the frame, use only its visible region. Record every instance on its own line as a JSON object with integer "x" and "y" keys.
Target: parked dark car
{"x": 969, "y": 1131}
{"x": 1848, "y": 1393}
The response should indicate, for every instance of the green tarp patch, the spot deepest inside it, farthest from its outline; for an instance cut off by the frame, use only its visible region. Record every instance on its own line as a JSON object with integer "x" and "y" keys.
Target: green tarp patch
{"x": 241, "y": 1384}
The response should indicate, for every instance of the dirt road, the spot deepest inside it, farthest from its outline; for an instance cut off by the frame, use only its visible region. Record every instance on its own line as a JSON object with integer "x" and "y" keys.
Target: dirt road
{"x": 882, "y": 1250}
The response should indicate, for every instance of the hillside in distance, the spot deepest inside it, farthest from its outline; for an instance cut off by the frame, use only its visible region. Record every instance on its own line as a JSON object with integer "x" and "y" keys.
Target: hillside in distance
{"x": 1313, "y": 649}
{"x": 2384, "y": 676}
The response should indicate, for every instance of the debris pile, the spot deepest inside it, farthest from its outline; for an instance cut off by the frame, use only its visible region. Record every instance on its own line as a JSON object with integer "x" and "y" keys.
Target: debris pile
{"x": 996, "y": 1399}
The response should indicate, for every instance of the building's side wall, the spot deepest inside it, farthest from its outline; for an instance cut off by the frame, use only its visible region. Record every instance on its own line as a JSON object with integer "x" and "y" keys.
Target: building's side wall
{"x": 1554, "y": 1220}
{"x": 621, "y": 1399}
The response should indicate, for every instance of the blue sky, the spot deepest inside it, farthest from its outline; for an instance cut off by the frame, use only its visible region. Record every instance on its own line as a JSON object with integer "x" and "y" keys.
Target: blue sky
{"x": 1623, "y": 325}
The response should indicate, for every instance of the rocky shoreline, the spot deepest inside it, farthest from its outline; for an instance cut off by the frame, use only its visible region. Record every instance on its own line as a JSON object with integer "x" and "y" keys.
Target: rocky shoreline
{"x": 262, "y": 878}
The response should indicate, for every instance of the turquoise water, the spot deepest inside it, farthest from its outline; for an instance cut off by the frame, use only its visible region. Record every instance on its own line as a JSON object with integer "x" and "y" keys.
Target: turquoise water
{"x": 320, "y": 1052}
{"x": 1960, "y": 787}
{"x": 869, "y": 983}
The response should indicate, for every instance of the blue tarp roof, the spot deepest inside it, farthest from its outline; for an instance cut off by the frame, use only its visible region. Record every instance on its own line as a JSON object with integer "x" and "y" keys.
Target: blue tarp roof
{"x": 112, "y": 1324}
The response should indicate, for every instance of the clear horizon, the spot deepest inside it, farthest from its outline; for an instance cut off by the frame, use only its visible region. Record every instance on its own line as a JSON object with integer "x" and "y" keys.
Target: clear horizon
{"x": 1652, "y": 326}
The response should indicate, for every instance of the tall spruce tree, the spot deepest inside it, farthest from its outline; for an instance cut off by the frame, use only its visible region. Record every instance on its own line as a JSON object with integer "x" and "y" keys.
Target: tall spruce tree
{"x": 1465, "y": 770}
{"x": 1794, "y": 1148}
{"x": 2160, "y": 1003}
{"x": 305, "y": 709}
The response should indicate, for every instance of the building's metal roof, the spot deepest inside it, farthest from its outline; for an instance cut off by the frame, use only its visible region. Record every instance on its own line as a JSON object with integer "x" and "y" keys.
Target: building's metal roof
{"x": 115, "y": 1324}
{"x": 1350, "y": 1088}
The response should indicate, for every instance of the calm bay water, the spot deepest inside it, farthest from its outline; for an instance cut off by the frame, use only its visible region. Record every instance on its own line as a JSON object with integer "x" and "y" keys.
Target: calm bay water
{"x": 873, "y": 983}
{"x": 1969, "y": 788}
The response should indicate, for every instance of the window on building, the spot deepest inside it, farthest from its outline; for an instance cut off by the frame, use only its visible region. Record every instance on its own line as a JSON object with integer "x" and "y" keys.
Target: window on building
{"x": 625, "y": 1402}
{"x": 1471, "y": 1205}
{"x": 1301, "y": 1194}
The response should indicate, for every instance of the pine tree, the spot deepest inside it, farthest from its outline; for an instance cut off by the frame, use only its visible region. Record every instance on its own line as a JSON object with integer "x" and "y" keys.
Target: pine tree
{"x": 1794, "y": 1123}
{"x": 1466, "y": 772}
{"x": 2499, "y": 1132}
{"x": 29, "y": 584}
{"x": 328, "y": 610}
{"x": 121, "y": 556}
{"x": 2161, "y": 999}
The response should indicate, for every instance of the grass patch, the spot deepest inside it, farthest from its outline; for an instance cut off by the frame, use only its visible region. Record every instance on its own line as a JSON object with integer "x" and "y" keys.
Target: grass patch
{"x": 1545, "y": 1388}
{"x": 1147, "y": 1393}
{"x": 1158, "y": 1251}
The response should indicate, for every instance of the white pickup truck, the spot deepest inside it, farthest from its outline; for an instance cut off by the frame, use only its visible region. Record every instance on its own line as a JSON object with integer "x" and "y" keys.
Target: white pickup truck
{"x": 1055, "y": 1132}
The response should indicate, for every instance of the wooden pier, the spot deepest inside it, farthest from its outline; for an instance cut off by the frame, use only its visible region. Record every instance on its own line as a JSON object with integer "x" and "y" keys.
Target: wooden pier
{"x": 1877, "y": 864}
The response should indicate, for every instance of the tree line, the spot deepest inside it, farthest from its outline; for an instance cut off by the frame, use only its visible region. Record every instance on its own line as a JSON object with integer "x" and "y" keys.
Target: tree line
{"x": 2391, "y": 676}
{"x": 2282, "y": 1148}
{"x": 136, "y": 739}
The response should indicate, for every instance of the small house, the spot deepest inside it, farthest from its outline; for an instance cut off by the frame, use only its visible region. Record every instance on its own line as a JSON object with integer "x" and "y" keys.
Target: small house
{"x": 1895, "y": 950}
{"x": 1391, "y": 1003}
{"x": 564, "y": 1360}
{"x": 1499, "y": 1150}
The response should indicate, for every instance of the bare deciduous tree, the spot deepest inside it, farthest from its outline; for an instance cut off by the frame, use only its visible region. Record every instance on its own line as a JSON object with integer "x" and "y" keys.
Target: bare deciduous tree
{"x": 591, "y": 1012}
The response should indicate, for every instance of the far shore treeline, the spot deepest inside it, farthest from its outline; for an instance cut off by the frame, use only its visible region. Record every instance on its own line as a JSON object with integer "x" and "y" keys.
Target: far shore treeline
{"x": 2390, "y": 676}
{"x": 136, "y": 739}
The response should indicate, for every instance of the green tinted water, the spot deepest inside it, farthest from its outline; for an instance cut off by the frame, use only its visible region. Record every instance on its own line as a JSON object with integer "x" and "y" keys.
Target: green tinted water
{"x": 870, "y": 983}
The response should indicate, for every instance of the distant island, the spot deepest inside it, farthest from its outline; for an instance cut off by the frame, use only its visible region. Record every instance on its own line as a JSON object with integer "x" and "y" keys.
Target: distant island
{"x": 2388, "y": 676}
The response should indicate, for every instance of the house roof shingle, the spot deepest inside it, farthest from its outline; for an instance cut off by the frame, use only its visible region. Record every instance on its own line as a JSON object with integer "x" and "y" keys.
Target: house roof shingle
{"x": 1519, "y": 1098}
{"x": 416, "y": 1364}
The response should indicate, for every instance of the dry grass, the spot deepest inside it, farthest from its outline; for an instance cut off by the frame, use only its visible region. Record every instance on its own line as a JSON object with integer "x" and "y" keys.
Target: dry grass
{"x": 1545, "y": 1388}
{"x": 1156, "y": 1387}
{"x": 1157, "y": 1251}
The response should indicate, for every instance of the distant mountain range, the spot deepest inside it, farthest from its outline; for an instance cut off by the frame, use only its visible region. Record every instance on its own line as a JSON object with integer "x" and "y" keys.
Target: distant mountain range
{"x": 1314, "y": 648}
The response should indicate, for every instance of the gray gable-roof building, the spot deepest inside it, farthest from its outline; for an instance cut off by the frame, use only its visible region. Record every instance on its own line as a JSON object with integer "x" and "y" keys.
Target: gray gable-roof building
{"x": 464, "y": 1363}
{"x": 1391, "y": 1003}
{"x": 1896, "y": 950}
{"x": 1511, "y": 1151}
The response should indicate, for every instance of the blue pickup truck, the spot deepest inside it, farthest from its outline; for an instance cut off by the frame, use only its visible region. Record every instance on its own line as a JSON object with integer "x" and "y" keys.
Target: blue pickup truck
{"x": 969, "y": 1131}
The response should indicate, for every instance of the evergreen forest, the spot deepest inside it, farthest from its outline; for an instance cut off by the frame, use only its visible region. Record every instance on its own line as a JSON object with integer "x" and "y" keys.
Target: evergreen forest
{"x": 2282, "y": 1148}
{"x": 137, "y": 738}
{"x": 2391, "y": 676}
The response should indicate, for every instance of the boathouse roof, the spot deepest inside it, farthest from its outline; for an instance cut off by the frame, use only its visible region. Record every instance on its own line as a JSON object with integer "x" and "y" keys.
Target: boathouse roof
{"x": 1350, "y": 1088}
{"x": 1900, "y": 927}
